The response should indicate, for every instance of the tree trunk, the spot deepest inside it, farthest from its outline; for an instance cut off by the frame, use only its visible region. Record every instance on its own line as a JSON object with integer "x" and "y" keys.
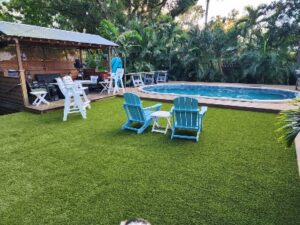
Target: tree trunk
{"x": 129, "y": 8}
{"x": 298, "y": 56}
{"x": 206, "y": 12}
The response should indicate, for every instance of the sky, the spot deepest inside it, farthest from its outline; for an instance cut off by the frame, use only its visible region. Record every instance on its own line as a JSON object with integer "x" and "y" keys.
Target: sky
{"x": 223, "y": 7}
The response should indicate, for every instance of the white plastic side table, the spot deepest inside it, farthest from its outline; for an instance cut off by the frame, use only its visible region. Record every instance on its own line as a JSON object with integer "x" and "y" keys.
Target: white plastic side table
{"x": 156, "y": 116}
{"x": 40, "y": 97}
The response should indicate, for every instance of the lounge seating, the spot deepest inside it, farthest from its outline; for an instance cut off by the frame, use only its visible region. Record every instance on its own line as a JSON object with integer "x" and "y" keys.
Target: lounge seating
{"x": 34, "y": 87}
{"x": 137, "y": 115}
{"x": 47, "y": 81}
{"x": 187, "y": 117}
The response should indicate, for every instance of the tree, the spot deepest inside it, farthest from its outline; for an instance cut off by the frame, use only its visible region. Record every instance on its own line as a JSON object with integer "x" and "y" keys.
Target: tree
{"x": 289, "y": 124}
{"x": 191, "y": 17}
{"x": 108, "y": 30}
{"x": 77, "y": 15}
{"x": 150, "y": 9}
{"x": 260, "y": 47}
{"x": 179, "y": 7}
{"x": 206, "y": 12}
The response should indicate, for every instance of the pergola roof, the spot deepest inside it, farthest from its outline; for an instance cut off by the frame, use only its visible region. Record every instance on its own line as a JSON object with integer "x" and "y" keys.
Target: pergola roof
{"x": 50, "y": 34}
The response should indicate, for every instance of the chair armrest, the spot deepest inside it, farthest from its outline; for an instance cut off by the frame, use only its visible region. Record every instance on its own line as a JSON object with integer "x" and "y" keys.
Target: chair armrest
{"x": 79, "y": 85}
{"x": 156, "y": 107}
{"x": 203, "y": 110}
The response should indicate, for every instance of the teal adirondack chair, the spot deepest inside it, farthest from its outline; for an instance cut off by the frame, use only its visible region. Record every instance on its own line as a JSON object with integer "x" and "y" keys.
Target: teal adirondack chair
{"x": 187, "y": 117}
{"x": 136, "y": 114}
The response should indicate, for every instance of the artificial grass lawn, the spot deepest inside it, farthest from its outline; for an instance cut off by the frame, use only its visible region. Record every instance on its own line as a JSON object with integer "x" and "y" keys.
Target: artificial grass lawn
{"x": 92, "y": 172}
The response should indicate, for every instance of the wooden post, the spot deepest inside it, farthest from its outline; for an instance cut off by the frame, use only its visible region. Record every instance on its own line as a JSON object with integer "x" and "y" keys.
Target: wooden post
{"x": 109, "y": 59}
{"x": 110, "y": 70}
{"x": 298, "y": 56}
{"x": 80, "y": 55}
{"x": 44, "y": 58}
{"x": 22, "y": 74}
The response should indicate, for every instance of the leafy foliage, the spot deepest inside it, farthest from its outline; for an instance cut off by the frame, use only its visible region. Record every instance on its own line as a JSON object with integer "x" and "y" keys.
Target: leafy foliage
{"x": 262, "y": 46}
{"x": 290, "y": 128}
{"x": 289, "y": 122}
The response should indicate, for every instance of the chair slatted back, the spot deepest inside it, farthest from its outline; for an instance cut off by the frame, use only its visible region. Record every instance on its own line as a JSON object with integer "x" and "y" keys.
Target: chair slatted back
{"x": 133, "y": 107}
{"x": 94, "y": 79}
{"x": 149, "y": 78}
{"x": 68, "y": 80}
{"x": 162, "y": 77}
{"x": 137, "y": 80}
{"x": 61, "y": 85}
{"x": 186, "y": 112}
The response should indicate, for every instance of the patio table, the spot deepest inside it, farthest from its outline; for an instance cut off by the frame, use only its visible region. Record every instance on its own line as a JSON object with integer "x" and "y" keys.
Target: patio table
{"x": 40, "y": 97}
{"x": 83, "y": 82}
{"x": 156, "y": 116}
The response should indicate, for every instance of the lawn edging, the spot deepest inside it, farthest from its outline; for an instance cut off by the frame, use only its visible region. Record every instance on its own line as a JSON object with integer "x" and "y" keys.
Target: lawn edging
{"x": 297, "y": 146}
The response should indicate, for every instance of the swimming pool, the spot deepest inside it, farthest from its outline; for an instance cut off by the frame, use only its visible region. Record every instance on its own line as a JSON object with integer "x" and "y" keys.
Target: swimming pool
{"x": 223, "y": 92}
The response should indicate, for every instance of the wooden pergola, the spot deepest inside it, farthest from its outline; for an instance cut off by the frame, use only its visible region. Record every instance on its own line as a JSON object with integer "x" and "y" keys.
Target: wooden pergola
{"x": 21, "y": 34}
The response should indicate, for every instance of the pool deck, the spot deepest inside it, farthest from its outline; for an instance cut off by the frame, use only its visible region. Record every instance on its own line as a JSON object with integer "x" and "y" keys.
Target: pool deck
{"x": 264, "y": 106}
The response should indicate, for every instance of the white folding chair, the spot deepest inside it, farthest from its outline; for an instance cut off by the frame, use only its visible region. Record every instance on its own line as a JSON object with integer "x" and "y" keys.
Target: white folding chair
{"x": 137, "y": 80}
{"x": 162, "y": 77}
{"x": 149, "y": 78}
{"x": 94, "y": 79}
{"x": 105, "y": 85}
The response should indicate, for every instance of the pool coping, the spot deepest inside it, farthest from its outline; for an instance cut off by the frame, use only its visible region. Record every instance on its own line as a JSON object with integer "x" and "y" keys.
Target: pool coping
{"x": 267, "y": 106}
{"x": 221, "y": 98}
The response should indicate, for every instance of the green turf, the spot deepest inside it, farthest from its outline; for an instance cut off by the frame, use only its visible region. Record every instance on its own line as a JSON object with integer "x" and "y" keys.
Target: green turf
{"x": 91, "y": 172}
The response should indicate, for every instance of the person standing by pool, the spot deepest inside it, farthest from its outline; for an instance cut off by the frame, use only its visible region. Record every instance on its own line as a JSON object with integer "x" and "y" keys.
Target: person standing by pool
{"x": 116, "y": 63}
{"x": 116, "y": 78}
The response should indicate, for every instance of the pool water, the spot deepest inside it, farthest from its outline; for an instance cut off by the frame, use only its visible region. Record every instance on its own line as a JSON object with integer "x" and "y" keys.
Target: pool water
{"x": 239, "y": 93}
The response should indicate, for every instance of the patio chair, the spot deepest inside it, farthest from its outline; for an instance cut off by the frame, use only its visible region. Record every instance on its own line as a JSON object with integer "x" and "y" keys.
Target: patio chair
{"x": 162, "y": 77}
{"x": 105, "y": 86}
{"x": 34, "y": 87}
{"x": 187, "y": 117}
{"x": 117, "y": 79}
{"x": 149, "y": 78}
{"x": 93, "y": 85}
{"x": 136, "y": 114}
{"x": 61, "y": 86}
{"x": 137, "y": 80}
{"x": 67, "y": 80}
{"x": 75, "y": 100}
{"x": 47, "y": 81}
{"x": 74, "y": 103}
